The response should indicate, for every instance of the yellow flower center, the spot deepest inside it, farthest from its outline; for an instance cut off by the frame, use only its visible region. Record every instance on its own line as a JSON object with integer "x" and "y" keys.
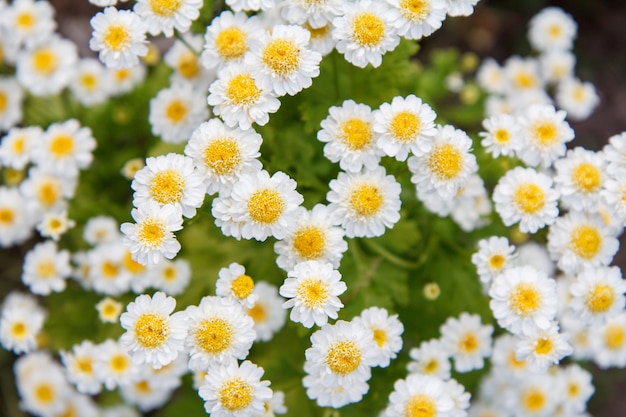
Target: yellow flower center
{"x": 188, "y": 65}
{"x": 152, "y": 330}
{"x": 534, "y": 400}
{"x": 368, "y": 29}
{"x": 614, "y": 336}
{"x": 165, "y": 8}
{"x": 431, "y": 367}
{"x": 313, "y": 292}
{"x": 356, "y": 134}
{"x": 89, "y": 82}
{"x": 265, "y": 206}
{"x": 545, "y": 134}
{"x": 573, "y": 390}
{"x": 131, "y": 265}
{"x": 515, "y": 363}
{"x": 282, "y": 56}
{"x": 214, "y": 335}
{"x": 231, "y": 43}
{"x": 544, "y": 346}
{"x": 600, "y": 299}
{"x": 317, "y": 33}
{"x": 169, "y": 273}
{"x": 586, "y": 242}
{"x": 176, "y": 111}
{"x": 309, "y": 242}
{"x": 496, "y": 262}
{"x": 366, "y": 200}
{"x": 242, "y": 90}
{"x": 18, "y": 144}
{"x": 45, "y": 393}
{"x": 25, "y": 20}
{"x": 525, "y": 80}
{"x": 235, "y": 394}
{"x": 110, "y": 269}
{"x": 431, "y": 291}
{"x": 502, "y": 136}
{"x": 122, "y": 74}
{"x": 7, "y": 216}
{"x": 110, "y": 309}
{"x": 404, "y": 126}
{"x": 586, "y": 178}
{"x": 469, "y": 343}
{"x": 151, "y": 232}
{"x": 343, "y": 357}
{"x": 380, "y": 337}
{"x": 258, "y": 313}
{"x": 55, "y": 224}
{"x": 420, "y": 405}
{"x": 18, "y": 330}
{"x": 555, "y": 31}
{"x": 45, "y": 61}
{"x": 167, "y": 187}
{"x": 529, "y": 198}
{"x": 222, "y": 156}
{"x": 116, "y": 38}
{"x": 61, "y": 145}
{"x": 415, "y": 10}
{"x": 445, "y": 162}
{"x": 4, "y": 101}
{"x": 119, "y": 363}
{"x": 143, "y": 387}
{"x": 85, "y": 364}
{"x": 48, "y": 193}
{"x": 46, "y": 268}
{"x": 242, "y": 286}
{"x": 525, "y": 299}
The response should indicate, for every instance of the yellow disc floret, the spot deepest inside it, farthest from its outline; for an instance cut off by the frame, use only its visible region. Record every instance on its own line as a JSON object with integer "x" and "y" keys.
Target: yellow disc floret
{"x": 151, "y": 330}
{"x": 222, "y": 156}
{"x": 231, "y": 43}
{"x": 309, "y": 242}
{"x": 266, "y": 206}
{"x": 368, "y": 29}
{"x": 445, "y": 162}
{"x": 188, "y": 65}
{"x": 534, "y": 400}
{"x": 585, "y": 242}
{"x": 242, "y": 90}
{"x": 420, "y": 405}
{"x": 366, "y": 200}
{"x": 235, "y": 394}
{"x": 356, "y": 134}
{"x": 61, "y": 145}
{"x": 242, "y": 286}
{"x": 343, "y": 357}
{"x": 176, "y": 111}
{"x": 544, "y": 346}
{"x": 167, "y": 186}
{"x": 586, "y": 177}
{"x": 415, "y": 10}
{"x": 165, "y": 8}
{"x": 529, "y": 198}
{"x": 469, "y": 343}
{"x": 214, "y": 335}
{"x": 545, "y": 133}
{"x": 404, "y": 126}
{"x": 151, "y": 232}
{"x": 525, "y": 299}
{"x": 600, "y": 299}
{"x": 313, "y": 292}
{"x": 281, "y": 56}
{"x": 45, "y": 61}
{"x": 116, "y": 38}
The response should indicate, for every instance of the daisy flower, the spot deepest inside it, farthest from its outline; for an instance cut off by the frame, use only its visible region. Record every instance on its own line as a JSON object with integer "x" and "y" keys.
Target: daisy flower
{"x": 313, "y": 289}
{"x": 523, "y": 299}
{"x": 579, "y": 179}
{"x": 322, "y": 39}
{"x": 218, "y": 330}
{"x": 533, "y": 396}
{"x": 501, "y": 135}
{"x": 235, "y": 390}
{"x": 615, "y": 154}
{"x": 119, "y": 38}
{"x": 461, "y": 7}
{"x": 114, "y": 366}
{"x": 349, "y": 136}
{"x": 267, "y": 311}
{"x": 265, "y": 205}
{"x": 106, "y": 274}
{"x": 91, "y": 86}
{"x": 172, "y": 277}
{"x": 490, "y": 76}
{"x": 430, "y": 358}
{"x": 239, "y": 98}
{"x": 364, "y": 32}
{"x": 420, "y": 394}
{"x": 613, "y": 195}
{"x": 579, "y": 99}
{"x": 21, "y": 321}
{"x": 146, "y": 393}
{"x": 545, "y": 133}
{"x": 316, "y": 14}
{"x": 169, "y": 179}
{"x": 403, "y": 126}
{"x": 16, "y": 224}
{"x": 521, "y": 75}
{"x": 577, "y": 386}
{"x": 579, "y": 240}
{"x": 163, "y": 16}
{"x": 101, "y": 229}
{"x": 153, "y": 334}
{"x": 552, "y": 28}
{"x": 608, "y": 342}
{"x": 387, "y": 330}
{"x": 29, "y": 22}
{"x": 186, "y": 63}
{"x": 527, "y": 197}
{"x": 543, "y": 348}
{"x": 504, "y": 357}
{"x": 223, "y": 154}
{"x": 109, "y": 310}
{"x": 53, "y": 225}
{"x": 11, "y": 98}
{"x": 151, "y": 238}
{"x": 557, "y": 66}
{"x": 44, "y": 390}
{"x": 46, "y": 268}
{"x": 312, "y": 237}
{"x": 417, "y": 19}
{"x": 467, "y": 340}
{"x": 335, "y": 397}
{"x": 283, "y": 62}
{"x": 123, "y": 80}
{"x": 16, "y": 144}
{"x": 234, "y": 283}
{"x": 493, "y": 257}
{"x": 251, "y": 5}
{"x": 365, "y": 203}
{"x": 79, "y": 367}
{"x": 45, "y": 191}
{"x": 598, "y": 293}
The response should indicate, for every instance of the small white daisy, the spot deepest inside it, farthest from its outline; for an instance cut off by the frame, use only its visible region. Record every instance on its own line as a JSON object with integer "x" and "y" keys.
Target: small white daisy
{"x": 11, "y": 98}
{"x": 461, "y": 7}
{"x": 79, "y": 367}
{"x": 490, "y": 76}
{"x": 114, "y": 366}
{"x": 533, "y": 396}
{"x": 430, "y": 358}
{"x": 267, "y": 312}
{"x": 577, "y": 386}
{"x": 101, "y": 229}
{"x": 552, "y": 28}
{"x": 493, "y": 257}
{"x": 234, "y": 283}
{"x": 543, "y": 348}
{"x": 16, "y": 223}
{"x": 172, "y": 277}
{"x": 598, "y": 293}
{"x": 123, "y": 80}
{"x": 91, "y": 86}
{"x": 579, "y": 99}
{"x": 615, "y": 154}
{"x": 557, "y": 65}
{"x": 316, "y": 13}
{"x": 322, "y": 39}
{"x": 109, "y": 310}
{"x": 505, "y": 359}
{"x": 521, "y": 75}
{"x": 15, "y": 146}
{"x": 387, "y": 331}
{"x": 501, "y": 135}
{"x": 420, "y": 394}
{"x": 21, "y": 321}
{"x": 417, "y": 19}
{"x": 105, "y": 272}
{"x": 45, "y": 191}
{"x": 183, "y": 59}
{"x": 163, "y": 16}
{"x": 579, "y": 179}
{"x": 46, "y": 268}
{"x": 460, "y": 398}
{"x": 53, "y": 225}
{"x": 467, "y": 340}
{"x": 29, "y": 22}
{"x": 608, "y": 342}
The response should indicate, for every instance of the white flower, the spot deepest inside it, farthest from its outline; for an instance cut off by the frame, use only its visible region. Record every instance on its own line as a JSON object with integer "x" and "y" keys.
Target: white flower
{"x": 523, "y": 299}
{"x": 235, "y": 390}
{"x": 501, "y": 135}
{"x": 153, "y": 334}
{"x": 615, "y": 153}
{"x": 460, "y": 398}
{"x": 11, "y": 98}
{"x": 349, "y": 136}
{"x": 403, "y": 126}
{"x": 53, "y": 225}
{"x": 28, "y": 22}
{"x": 109, "y": 310}
{"x": 91, "y": 85}
{"x": 543, "y": 348}
{"x": 114, "y": 366}
{"x": 169, "y": 179}
{"x": 119, "y": 37}
{"x": 145, "y": 392}
{"x": 552, "y": 28}
{"x": 79, "y": 367}
{"x": 364, "y": 32}
{"x": 493, "y": 257}
{"x": 234, "y": 283}
{"x": 614, "y": 195}
{"x": 461, "y": 7}
{"x": 283, "y": 61}
{"x": 44, "y": 390}
{"x": 313, "y": 289}
{"x": 579, "y": 179}
{"x": 163, "y": 16}
{"x": 365, "y": 203}
{"x": 46, "y": 268}
{"x": 490, "y": 76}
{"x": 419, "y": 394}
{"x": 533, "y": 396}
{"x": 526, "y": 196}
{"x": 576, "y": 384}
{"x": 45, "y": 191}
{"x": 21, "y": 321}
{"x": 251, "y": 5}
{"x": 504, "y": 358}
{"x": 123, "y": 80}
{"x": 467, "y": 340}
{"x": 316, "y": 14}
{"x": 579, "y": 99}
{"x": 598, "y": 293}
{"x": 105, "y": 272}
{"x": 536, "y": 255}
{"x": 608, "y": 342}
{"x": 151, "y": 238}
{"x": 172, "y": 277}
{"x": 521, "y": 75}
{"x": 417, "y": 19}
{"x": 183, "y": 59}
{"x": 16, "y": 145}
{"x": 387, "y": 331}
{"x": 267, "y": 312}
{"x": 557, "y": 65}
{"x": 322, "y": 39}
{"x": 101, "y": 229}
{"x": 430, "y": 358}
{"x": 16, "y": 223}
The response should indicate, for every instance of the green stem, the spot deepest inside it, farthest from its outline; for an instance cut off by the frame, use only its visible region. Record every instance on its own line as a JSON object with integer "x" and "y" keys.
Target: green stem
{"x": 394, "y": 259}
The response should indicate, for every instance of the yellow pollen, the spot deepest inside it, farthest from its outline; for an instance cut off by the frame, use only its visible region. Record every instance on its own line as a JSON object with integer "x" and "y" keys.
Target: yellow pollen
{"x": 122, "y": 74}
{"x": 309, "y": 242}
{"x": 48, "y": 193}
{"x": 176, "y": 111}
{"x": 131, "y": 265}
{"x": 585, "y": 242}
{"x": 544, "y": 346}
{"x": 431, "y": 366}
{"x": 143, "y": 387}
{"x": 415, "y": 10}
{"x": 469, "y": 343}
{"x": 614, "y": 336}
{"x": 368, "y": 29}
{"x": 214, "y": 335}
{"x": 169, "y": 273}
{"x": 235, "y": 394}
{"x": 222, "y": 156}
{"x": 18, "y": 330}
{"x": 317, "y": 33}
{"x": 356, "y": 134}
{"x": 242, "y": 90}
{"x": 343, "y": 357}
{"x": 534, "y": 400}
{"x": 420, "y": 405}
{"x": 282, "y": 56}
{"x": 7, "y": 216}
{"x": 110, "y": 309}
{"x": 116, "y": 38}
{"x": 55, "y": 224}
{"x": 167, "y": 187}
{"x": 85, "y": 365}
{"x": 231, "y": 43}
{"x": 496, "y": 262}
{"x": 366, "y": 200}
{"x": 45, "y": 61}
{"x": 46, "y": 268}
{"x": 555, "y": 31}
{"x": 4, "y": 101}
{"x": 165, "y": 8}
{"x": 525, "y": 299}
{"x": 152, "y": 330}
{"x": 18, "y": 144}
{"x": 258, "y": 313}
{"x": 265, "y": 206}
{"x": 380, "y": 337}
{"x": 525, "y": 80}
{"x": 188, "y": 65}
{"x": 25, "y": 20}
{"x": 89, "y": 81}
{"x": 405, "y": 126}
{"x": 313, "y": 292}
{"x": 242, "y": 286}
{"x": 600, "y": 299}
{"x": 151, "y": 232}
{"x": 573, "y": 390}
{"x": 529, "y": 198}
{"x": 545, "y": 134}
{"x": 586, "y": 178}
{"x": 119, "y": 363}
{"x": 445, "y": 162}
{"x": 44, "y": 393}
{"x": 110, "y": 269}
{"x": 502, "y": 136}
{"x": 61, "y": 146}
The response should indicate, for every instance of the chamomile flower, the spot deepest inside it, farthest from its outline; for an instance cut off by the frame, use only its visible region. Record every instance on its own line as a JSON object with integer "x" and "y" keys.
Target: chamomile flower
{"x": 109, "y": 310}
{"x": 322, "y": 39}
{"x": 505, "y": 359}
{"x": 578, "y": 240}
{"x": 501, "y": 135}
{"x": 119, "y": 38}
{"x": 365, "y": 203}
{"x": 16, "y": 224}
{"x": 176, "y": 111}
{"x": 543, "y": 348}
{"x": 557, "y": 65}
{"x": 552, "y": 28}
{"x": 113, "y": 365}
{"x": 579, "y": 99}
{"x": 576, "y": 384}
{"x": 523, "y": 299}
{"x": 28, "y": 21}
{"x": 419, "y": 394}
{"x": 615, "y": 154}
{"x": 283, "y": 61}
{"x": 234, "y": 283}
{"x": 44, "y": 391}
{"x": 387, "y": 331}
{"x": 580, "y": 178}
{"x": 403, "y": 126}
{"x": 526, "y": 196}
{"x": 101, "y": 229}
{"x": 163, "y": 16}
{"x": 521, "y": 75}
{"x": 365, "y": 32}
{"x": 218, "y": 331}
{"x": 106, "y": 273}
{"x": 598, "y": 293}
{"x": 493, "y": 257}
{"x": 183, "y": 59}
{"x": 46, "y": 268}
{"x": 533, "y": 396}
{"x": 313, "y": 289}
{"x": 153, "y": 334}
{"x": 267, "y": 311}
{"x": 239, "y": 98}
{"x": 146, "y": 393}
{"x": 15, "y": 146}
{"x": 545, "y": 133}
{"x": 151, "y": 238}
{"x": 222, "y": 154}
{"x": 21, "y": 321}
{"x": 235, "y": 390}
{"x": 331, "y": 396}
{"x": 608, "y": 342}
{"x": 349, "y": 136}
{"x": 45, "y": 191}
{"x": 461, "y": 7}
{"x": 251, "y": 5}
{"x": 172, "y": 277}
{"x": 467, "y": 340}
{"x": 79, "y": 367}
{"x": 90, "y": 86}
{"x": 417, "y": 19}
{"x": 430, "y": 358}
{"x": 490, "y": 76}
{"x": 53, "y": 225}
{"x": 314, "y": 13}
{"x": 169, "y": 179}
{"x": 313, "y": 236}
{"x": 264, "y": 205}
{"x": 123, "y": 80}
{"x": 11, "y": 97}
